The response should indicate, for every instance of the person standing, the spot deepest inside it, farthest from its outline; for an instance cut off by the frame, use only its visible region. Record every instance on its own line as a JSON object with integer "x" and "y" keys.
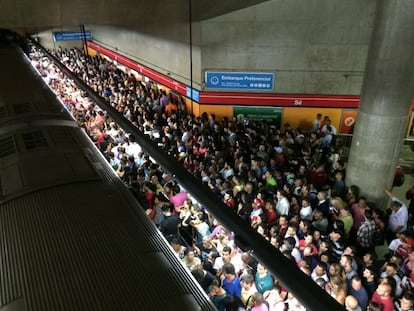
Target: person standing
{"x": 248, "y": 288}
{"x": 365, "y": 234}
{"x": 359, "y": 292}
{"x": 316, "y": 125}
{"x": 170, "y": 222}
{"x": 283, "y": 205}
{"x": 398, "y": 218}
{"x": 405, "y": 303}
{"x": 409, "y": 195}
{"x": 217, "y": 295}
{"x": 231, "y": 282}
{"x": 263, "y": 279}
{"x": 384, "y": 294}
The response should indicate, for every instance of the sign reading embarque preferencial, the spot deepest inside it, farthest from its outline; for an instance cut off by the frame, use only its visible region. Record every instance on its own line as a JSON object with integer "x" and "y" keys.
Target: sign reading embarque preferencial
{"x": 71, "y": 35}
{"x": 241, "y": 81}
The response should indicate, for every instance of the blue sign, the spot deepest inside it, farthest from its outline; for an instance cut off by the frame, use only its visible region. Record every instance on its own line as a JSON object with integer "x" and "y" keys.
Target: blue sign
{"x": 246, "y": 81}
{"x": 195, "y": 94}
{"x": 71, "y": 35}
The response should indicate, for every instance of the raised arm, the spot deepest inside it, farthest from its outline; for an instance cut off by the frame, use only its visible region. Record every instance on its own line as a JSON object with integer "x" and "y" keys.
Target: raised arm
{"x": 389, "y": 194}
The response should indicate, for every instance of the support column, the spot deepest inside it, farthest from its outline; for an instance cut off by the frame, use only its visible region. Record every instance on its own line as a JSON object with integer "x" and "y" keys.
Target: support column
{"x": 386, "y": 96}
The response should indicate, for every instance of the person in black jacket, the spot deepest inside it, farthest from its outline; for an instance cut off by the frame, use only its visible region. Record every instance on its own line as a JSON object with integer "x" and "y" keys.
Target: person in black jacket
{"x": 169, "y": 225}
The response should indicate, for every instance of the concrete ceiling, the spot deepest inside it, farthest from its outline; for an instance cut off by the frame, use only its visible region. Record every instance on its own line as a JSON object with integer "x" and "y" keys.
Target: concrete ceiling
{"x": 33, "y": 16}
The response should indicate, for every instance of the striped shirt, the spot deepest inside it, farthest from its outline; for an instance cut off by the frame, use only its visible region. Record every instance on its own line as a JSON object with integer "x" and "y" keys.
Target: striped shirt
{"x": 366, "y": 233}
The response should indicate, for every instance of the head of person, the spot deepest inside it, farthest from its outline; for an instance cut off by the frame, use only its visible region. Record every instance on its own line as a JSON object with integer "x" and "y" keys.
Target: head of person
{"x": 318, "y": 215}
{"x": 336, "y": 234}
{"x": 395, "y": 205}
{"x": 226, "y": 254}
{"x": 391, "y": 269}
{"x": 335, "y": 269}
{"x": 280, "y": 194}
{"x": 283, "y": 220}
{"x": 261, "y": 269}
{"x": 175, "y": 244}
{"x": 356, "y": 283}
{"x": 407, "y": 301}
{"x": 350, "y": 250}
{"x": 232, "y": 302}
{"x": 362, "y": 202}
{"x": 370, "y": 272}
{"x": 322, "y": 195}
{"x": 308, "y": 237}
{"x": 229, "y": 271}
{"x": 291, "y": 231}
{"x": 325, "y": 257}
{"x": 275, "y": 241}
{"x": 368, "y": 214}
{"x": 346, "y": 262}
{"x": 338, "y": 283}
{"x": 351, "y": 303}
{"x": 306, "y": 201}
{"x": 386, "y": 287}
{"x": 198, "y": 274}
{"x": 189, "y": 253}
{"x": 257, "y": 299}
{"x": 247, "y": 281}
{"x": 207, "y": 244}
{"x": 375, "y": 306}
{"x": 321, "y": 282}
{"x": 369, "y": 258}
{"x": 320, "y": 269}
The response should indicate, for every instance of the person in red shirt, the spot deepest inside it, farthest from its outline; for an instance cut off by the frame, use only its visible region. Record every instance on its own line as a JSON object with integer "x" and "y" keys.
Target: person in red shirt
{"x": 270, "y": 213}
{"x": 283, "y": 225}
{"x": 229, "y": 199}
{"x": 385, "y": 293}
{"x": 308, "y": 241}
{"x": 405, "y": 247}
{"x": 318, "y": 176}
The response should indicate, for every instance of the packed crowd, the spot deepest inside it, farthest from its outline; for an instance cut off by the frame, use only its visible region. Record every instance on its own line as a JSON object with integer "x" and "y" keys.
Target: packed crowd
{"x": 286, "y": 183}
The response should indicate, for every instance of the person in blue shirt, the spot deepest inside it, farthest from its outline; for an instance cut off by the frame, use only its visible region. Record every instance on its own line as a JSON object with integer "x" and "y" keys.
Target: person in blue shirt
{"x": 359, "y": 292}
{"x": 231, "y": 282}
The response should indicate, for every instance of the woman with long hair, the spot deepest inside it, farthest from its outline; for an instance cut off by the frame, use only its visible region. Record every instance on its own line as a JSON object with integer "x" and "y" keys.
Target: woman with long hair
{"x": 337, "y": 289}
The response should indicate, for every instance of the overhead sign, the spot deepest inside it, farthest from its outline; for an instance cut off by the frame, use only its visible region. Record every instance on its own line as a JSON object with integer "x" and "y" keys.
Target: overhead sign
{"x": 255, "y": 113}
{"x": 71, "y": 35}
{"x": 194, "y": 95}
{"x": 246, "y": 81}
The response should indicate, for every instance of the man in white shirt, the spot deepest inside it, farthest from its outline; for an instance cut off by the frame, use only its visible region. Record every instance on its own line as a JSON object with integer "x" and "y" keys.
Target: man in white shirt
{"x": 320, "y": 272}
{"x": 283, "y": 205}
{"x": 228, "y": 255}
{"x": 306, "y": 209}
{"x": 325, "y": 127}
{"x": 399, "y": 216}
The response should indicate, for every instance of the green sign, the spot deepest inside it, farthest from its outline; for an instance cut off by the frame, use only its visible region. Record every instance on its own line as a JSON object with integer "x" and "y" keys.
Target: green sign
{"x": 254, "y": 113}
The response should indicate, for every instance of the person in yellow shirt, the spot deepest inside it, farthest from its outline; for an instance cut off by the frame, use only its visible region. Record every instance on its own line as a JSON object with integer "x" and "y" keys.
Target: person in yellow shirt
{"x": 248, "y": 288}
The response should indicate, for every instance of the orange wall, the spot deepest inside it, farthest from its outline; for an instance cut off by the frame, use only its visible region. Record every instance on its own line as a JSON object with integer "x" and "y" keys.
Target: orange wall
{"x": 91, "y": 52}
{"x": 218, "y": 110}
{"x": 303, "y": 117}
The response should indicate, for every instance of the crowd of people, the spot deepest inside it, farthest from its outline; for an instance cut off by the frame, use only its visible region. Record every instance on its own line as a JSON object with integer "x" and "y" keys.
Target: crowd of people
{"x": 286, "y": 183}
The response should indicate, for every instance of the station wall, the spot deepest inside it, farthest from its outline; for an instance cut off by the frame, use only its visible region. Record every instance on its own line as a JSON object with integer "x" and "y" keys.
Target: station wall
{"x": 170, "y": 57}
{"x": 320, "y": 51}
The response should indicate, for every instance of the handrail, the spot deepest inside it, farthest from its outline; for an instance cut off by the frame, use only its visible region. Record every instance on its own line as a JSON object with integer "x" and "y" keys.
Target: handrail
{"x": 303, "y": 287}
